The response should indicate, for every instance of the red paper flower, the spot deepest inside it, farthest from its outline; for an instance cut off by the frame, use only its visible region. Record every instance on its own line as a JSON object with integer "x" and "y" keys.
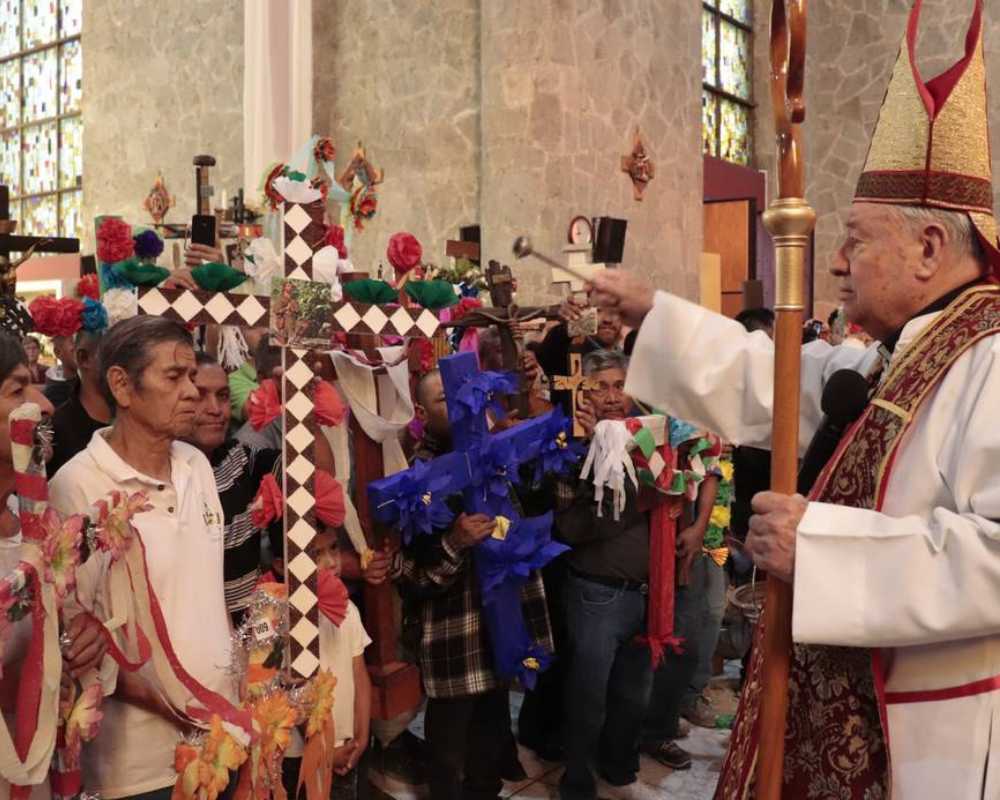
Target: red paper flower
{"x": 88, "y": 286}
{"x": 324, "y": 150}
{"x": 263, "y": 404}
{"x": 56, "y": 317}
{"x": 425, "y": 352}
{"x": 273, "y": 196}
{"x": 269, "y": 504}
{"x": 404, "y": 252}
{"x": 335, "y": 238}
{"x": 333, "y": 596}
{"x": 465, "y": 306}
{"x": 329, "y": 408}
{"x": 114, "y": 241}
{"x": 329, "y": 499}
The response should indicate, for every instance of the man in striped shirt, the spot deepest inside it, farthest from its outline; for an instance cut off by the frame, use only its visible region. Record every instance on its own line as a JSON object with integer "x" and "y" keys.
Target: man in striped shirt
{"x": 238, "y": 471}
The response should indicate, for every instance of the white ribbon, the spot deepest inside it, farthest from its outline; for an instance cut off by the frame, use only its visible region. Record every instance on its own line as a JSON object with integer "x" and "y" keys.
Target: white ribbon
{"x": 610, "y": 459}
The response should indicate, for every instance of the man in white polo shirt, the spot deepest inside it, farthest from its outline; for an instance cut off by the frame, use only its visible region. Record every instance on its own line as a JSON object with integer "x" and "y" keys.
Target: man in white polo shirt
{"x": 147, "y": 367}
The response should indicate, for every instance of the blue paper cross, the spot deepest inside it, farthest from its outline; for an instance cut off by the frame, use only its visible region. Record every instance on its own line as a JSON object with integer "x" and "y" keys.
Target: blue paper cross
{"x": 482, "y": 468}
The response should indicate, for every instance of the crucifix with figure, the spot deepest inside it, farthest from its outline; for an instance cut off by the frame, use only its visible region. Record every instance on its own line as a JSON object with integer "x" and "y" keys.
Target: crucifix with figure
{"x": 505, "y": 314}
{"x": 27, "y": 245}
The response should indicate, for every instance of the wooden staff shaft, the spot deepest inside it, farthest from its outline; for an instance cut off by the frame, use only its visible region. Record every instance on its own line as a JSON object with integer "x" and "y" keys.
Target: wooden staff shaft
{"x": 790, "y": 221}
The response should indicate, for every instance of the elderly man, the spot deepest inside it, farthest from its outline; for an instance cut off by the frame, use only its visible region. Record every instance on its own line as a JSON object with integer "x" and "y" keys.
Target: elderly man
{"x": 609, "y": 672}
{"x": 148, "y": 369}
{"x": 895, "y": 559}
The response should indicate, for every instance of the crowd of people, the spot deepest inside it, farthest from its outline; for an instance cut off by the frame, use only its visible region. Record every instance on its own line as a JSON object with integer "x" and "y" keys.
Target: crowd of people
{"x": 144, "y": 409}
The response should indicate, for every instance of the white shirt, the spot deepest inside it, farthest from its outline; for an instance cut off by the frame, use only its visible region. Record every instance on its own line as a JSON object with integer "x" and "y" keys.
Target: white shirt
{"x": 338, "y": 647}
{"x": 134, "y": 751}
{"x": 921, "y": 578}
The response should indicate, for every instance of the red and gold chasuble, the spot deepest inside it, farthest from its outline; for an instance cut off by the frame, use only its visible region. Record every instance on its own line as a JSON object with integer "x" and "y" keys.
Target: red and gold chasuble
{"x": 835, "y": 742}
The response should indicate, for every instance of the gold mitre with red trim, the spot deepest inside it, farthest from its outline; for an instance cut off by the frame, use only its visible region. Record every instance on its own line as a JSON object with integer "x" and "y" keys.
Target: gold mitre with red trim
{"x": 931, "y": 145}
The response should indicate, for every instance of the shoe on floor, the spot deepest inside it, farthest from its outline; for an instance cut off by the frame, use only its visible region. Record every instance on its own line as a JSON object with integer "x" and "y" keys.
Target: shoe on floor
{"x": 403, "y": 760}
{"x": 637, "y": 790}
{"x": 701, "y": 714}
{"x": 669, "y": 754}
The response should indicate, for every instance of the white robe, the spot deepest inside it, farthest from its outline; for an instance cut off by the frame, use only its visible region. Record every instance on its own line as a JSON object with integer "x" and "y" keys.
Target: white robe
{"x": 921, "y": 578}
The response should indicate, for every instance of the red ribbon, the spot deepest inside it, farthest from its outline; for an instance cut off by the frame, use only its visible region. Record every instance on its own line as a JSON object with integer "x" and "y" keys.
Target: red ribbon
{"x": 29, "y": 690}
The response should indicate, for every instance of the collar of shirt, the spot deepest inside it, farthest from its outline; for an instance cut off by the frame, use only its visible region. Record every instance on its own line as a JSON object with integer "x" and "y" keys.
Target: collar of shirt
{"x": 181, "y": 456}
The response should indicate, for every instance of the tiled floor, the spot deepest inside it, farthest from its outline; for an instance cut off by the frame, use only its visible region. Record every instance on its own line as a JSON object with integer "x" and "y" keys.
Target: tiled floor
{"x": 707, "y": 748}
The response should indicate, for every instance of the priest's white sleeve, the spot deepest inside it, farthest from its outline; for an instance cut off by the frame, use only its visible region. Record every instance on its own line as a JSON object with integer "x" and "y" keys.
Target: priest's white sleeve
{"x": 708, "y": 370}
{"x": 869, "y": 579}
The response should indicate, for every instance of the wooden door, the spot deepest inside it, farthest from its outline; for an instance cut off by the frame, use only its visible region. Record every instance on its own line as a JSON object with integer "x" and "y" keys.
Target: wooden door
{"x": 730, "y": 232}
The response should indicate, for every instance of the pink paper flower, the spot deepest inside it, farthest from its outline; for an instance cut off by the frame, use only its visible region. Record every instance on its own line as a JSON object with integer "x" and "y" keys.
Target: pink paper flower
{"x": 114, "y": 530}
{"x": 61, "y": 549}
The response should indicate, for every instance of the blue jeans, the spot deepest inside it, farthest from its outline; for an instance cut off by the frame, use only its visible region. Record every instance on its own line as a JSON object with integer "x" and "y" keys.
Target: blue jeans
{"x": 672, "y": 679}
{"x": 608, "y": 681}
{"x": 713, "y": 606}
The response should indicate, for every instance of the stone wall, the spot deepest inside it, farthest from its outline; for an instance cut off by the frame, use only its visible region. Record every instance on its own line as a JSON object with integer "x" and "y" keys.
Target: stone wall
{"x": 515, "y": 115}
{"x": 853, "y": 46}
{"x": 161, "y": 85}
{"x": 403, "y": 77}
{"x": 565, "y": 83}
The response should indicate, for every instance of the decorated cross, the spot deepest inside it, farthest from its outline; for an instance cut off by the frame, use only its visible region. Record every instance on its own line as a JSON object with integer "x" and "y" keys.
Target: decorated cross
{"x": 302, "y": 316}
{"x": 505, "y": 313}
{"x": 483, "y": 469}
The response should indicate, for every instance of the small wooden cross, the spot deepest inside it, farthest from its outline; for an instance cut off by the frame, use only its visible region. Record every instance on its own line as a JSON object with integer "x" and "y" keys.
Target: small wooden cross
{"x": 10, "y": 243}
{"x": 574, "y": 383}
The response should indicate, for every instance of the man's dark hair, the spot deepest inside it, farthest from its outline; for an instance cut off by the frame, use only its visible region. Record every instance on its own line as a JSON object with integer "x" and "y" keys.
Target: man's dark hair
{"x": 129, "y": 345}
{"x": 421, "y": 388}
{"x": 201, "y": 358}
{"x": 12, "y": 355}
{"x": 266, "y": 359}
{"x": 756, "y": 319}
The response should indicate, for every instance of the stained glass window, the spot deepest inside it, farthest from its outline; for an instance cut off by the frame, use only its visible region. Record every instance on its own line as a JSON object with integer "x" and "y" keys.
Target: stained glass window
{"x": 727, "y": 79}
{"x": 41, "y": 130}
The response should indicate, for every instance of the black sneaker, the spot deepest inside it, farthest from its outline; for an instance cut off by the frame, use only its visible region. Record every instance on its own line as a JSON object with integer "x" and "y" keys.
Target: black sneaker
{"x": 669, "y": 754}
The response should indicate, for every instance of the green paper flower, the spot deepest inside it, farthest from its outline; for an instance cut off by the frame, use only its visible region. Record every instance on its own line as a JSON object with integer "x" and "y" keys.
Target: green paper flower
{"x": 433, "y": 295}
{"x": 216, "y": 277}
{"x": 139, "y": 273}
{"x": 371, "y": 291}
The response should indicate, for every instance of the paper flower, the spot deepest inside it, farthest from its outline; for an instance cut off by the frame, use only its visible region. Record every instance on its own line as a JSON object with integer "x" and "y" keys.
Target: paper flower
{"x": 113, "y": 528}
{"x": 465, "y": 306}
{"x": 263, "y": 405}
{"x": 369, "y": 290}
{"x": 328, "y": 407}
{"x": 333, "y": 596}
{"x": 274, "y": 717}
{"x": 56, "y": 317}
{"x": 726, "y": 470}
{"x": 482, "y": 392}
{"x": 61, "y": 549}
{"x": 114, "y": 241}
{"x": 296, "y": 191}
{"x": 82, "y": 723}
{"x": 417, "y": 505}
{"x": 269, "y": 504}
{"x": 261, "y": 259}
{"x": 322, "y": 709}
{"x": 88, "y": 286}
{"x": 721, "y": 517}
{"x": 120, "y": 304}
{"x": 497, "y": 469}
{"x": 148, "y": 245}
{"x": 15, "y": 601}
{"x": 324, "y": 150}
{"x": 140, "y": 273}
{"x": 425, "y": 354}
{"x": 335, "y": 238}
{"x": 216, "y": 277}
{"x": 330, "y": 508}
{"x": 558, "y": 451}
{"x": 363, "y": 205}
{"x": 271, "y": 194}
{"x": 404, "y": 252}
{"x": 94, "y": 316}
{"x": 203, "y": 773}
{"x": 434, "y": 295}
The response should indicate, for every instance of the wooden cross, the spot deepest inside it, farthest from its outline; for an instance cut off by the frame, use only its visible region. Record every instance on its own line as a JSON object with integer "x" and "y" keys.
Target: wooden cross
{"x": 504, "y": 313}
{"x": 574, "y": 383}
{"x": 302, "y": 235}
{"x": 10, "y": 243}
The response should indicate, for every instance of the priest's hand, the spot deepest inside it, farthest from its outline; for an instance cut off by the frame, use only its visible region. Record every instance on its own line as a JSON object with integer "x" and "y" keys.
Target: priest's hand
{"x": 771, "y": 540}
{"x": 631, "y": 296}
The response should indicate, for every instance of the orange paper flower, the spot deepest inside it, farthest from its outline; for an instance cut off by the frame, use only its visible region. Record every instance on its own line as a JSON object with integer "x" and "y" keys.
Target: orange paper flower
{"x": 204, "y": 772}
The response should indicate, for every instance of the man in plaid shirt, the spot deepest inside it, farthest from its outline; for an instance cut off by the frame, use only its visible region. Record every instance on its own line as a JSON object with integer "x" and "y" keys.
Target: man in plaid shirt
{"x": 467, "y": 722}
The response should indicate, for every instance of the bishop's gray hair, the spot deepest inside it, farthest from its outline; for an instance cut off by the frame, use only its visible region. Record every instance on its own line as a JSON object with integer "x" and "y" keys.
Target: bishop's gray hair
{"x": 961, "y": 232}
{"x": 600, "y": 360}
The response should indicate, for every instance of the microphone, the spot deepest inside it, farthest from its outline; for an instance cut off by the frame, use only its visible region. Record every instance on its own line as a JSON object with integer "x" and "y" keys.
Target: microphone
{"x": 844, "y": 398}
